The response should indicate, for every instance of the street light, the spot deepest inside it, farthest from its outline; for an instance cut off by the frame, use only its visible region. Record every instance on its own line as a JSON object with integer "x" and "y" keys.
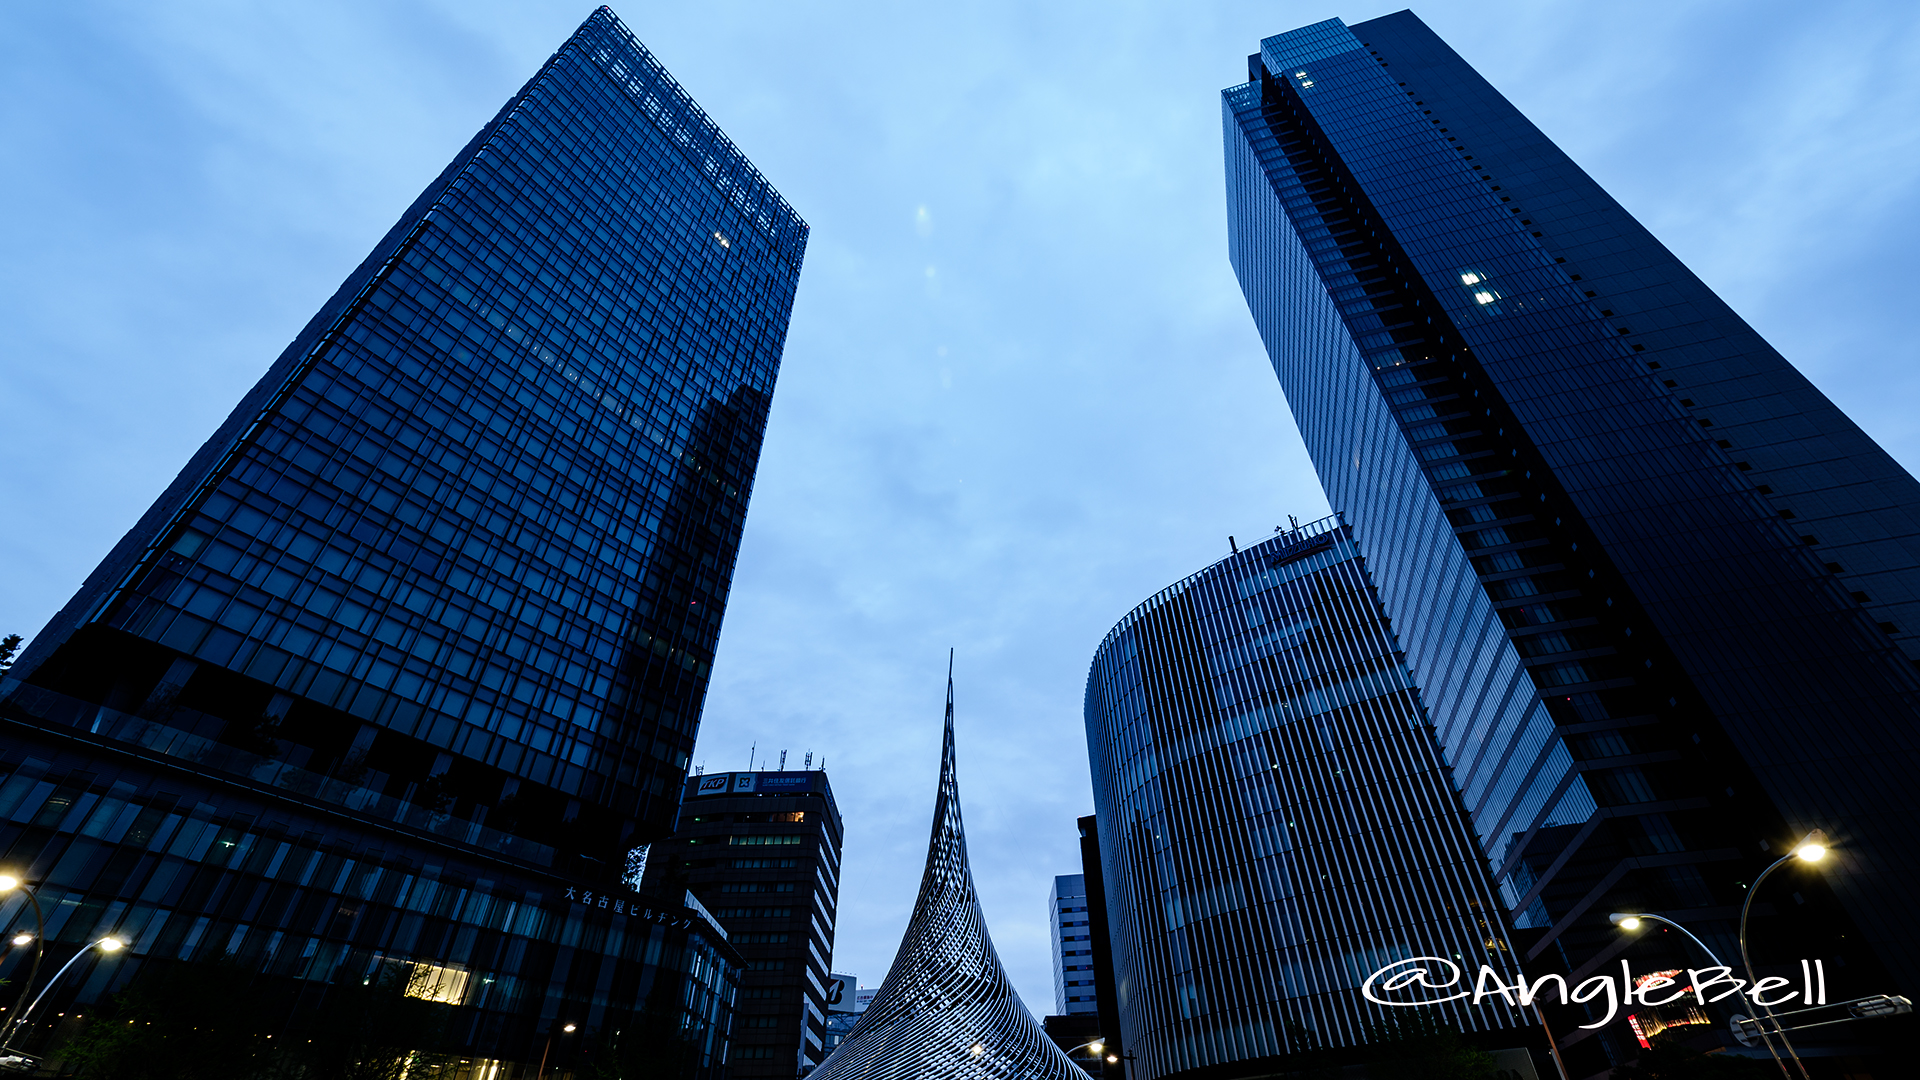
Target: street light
{"x": 108, "y": 945}
{"x": 8, "y": 883}
{"x": 1811, "y": 849}
{"x": 1096, "y": 1046}
{"x": 1634, "y": 920}
{"x": 541, "y": 1073}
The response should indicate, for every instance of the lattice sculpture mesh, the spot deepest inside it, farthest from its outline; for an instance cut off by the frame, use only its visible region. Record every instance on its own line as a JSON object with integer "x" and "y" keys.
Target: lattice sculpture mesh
{"x": 946, "y": 1009}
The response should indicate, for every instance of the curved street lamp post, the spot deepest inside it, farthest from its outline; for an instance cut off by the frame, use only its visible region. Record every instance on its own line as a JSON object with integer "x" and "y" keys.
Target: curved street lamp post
{"x": 1811, "y": 849}
{"x": 108, "y": 945}
{"x": 8, "y": 883}
{"x": 1632, "y": 921}
{"x": 1096, "y": 1046}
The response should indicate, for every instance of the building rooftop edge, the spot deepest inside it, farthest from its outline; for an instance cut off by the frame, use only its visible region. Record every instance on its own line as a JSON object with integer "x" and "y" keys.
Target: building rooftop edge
{"x": 1284, "y": 537}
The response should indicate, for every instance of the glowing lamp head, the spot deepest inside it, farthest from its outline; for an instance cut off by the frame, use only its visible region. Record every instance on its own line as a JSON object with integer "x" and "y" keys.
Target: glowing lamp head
{"x": 1095, "y": 1046}
{"x": 1111, "y": 1058}
{"x": 8, "y": 883}
{"x": 976, "y": 1049}
{"x": 569, "y": 1029}
{"x": 23, "y": 939}
{"x": 110, "y": 944}
{"x": 1813, "y": 848}
{"x": 1624, "y": 922}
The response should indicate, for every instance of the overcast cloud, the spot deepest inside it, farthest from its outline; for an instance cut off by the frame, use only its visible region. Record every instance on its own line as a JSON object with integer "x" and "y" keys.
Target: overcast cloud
{"x": 1021, "y": 392}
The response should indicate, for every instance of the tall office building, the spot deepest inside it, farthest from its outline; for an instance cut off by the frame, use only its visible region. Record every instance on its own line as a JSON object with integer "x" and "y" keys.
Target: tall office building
{"x": 1275, "y": 819}
{"x": 946, "y": 1010}
{"x": 433, "y": 610}
{"x": 1662, "y": 597}
{"x": 1072, "y": 939}
{"x": 1100, "y": 937}
{"x": 761, "y": 851}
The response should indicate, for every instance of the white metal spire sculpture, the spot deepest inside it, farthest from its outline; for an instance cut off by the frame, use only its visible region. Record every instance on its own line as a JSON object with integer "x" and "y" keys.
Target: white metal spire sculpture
{"x": 946, "y": 1010}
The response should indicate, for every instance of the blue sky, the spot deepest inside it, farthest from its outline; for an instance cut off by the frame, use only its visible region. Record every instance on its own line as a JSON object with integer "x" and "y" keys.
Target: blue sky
{"x": 1021, "y": 392}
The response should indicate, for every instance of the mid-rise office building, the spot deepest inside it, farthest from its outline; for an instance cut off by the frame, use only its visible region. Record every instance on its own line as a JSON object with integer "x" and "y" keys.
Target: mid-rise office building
{"x": 412, "y": 652}
{"x": 1661, "y": 596}
{"x": 761, "y": 851}
{"x": 1276, "y": 822}
{"x": 1072, "y": 939}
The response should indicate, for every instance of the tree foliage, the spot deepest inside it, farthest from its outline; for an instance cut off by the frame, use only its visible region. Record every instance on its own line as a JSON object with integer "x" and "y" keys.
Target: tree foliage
{"x": 177, "y": 1022}
{"x": 651, "y": 1047}
{"x": 1417, "y": 1046}
{"x": 206, "y": 1021}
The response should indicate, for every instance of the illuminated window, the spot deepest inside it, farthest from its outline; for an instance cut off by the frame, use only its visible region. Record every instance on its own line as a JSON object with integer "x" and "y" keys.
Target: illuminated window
{"x": 432, "y": 982}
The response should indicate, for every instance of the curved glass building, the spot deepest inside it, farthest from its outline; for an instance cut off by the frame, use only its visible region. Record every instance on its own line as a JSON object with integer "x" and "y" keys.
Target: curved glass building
{"x": 1276, "y": 821}
{"x": 946, "y": 1010}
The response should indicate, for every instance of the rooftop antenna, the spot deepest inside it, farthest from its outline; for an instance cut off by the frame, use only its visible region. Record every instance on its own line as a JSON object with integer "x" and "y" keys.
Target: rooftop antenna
{"x": 1293, "y": 521}
{"x": 809, "y": 759}
{"x": 699, "y": 770}
{"x": 783, "y": 761}
{"x": 750, "y": 753}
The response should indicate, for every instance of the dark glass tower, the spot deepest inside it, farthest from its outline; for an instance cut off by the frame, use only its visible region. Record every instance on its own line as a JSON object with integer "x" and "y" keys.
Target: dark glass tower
{"x": 444, "y": 589}
{"x": 1275, "y": 820}
{"x": 1659, "y": 592}
{"x": 761, "y": 851}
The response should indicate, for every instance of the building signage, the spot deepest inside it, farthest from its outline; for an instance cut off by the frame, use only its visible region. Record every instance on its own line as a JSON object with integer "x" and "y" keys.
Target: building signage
{"x": 753, "y": 783}
{"x": 626, "y": 905}
{"x": 785, "y": 781}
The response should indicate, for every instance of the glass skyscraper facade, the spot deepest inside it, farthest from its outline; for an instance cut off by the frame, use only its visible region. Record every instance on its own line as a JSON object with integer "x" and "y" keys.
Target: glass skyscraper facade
{"x": 443, "y": 591}
{"x": 1276, "y": 820}
{"x": 1657, "y": 590}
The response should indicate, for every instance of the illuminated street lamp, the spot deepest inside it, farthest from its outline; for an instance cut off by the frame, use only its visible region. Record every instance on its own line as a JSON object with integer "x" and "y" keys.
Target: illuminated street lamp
{"x": 541, "y": 1073}
{"x": 107, "y": 945}
{"x": 1636, "y": 919}
{"x": 1096, "y": 1046}
{"x": 1811, "y": 849}
{"x": 8, "y": 883}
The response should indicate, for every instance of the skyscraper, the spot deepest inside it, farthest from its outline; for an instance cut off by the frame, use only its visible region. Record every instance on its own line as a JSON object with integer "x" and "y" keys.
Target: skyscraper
{"x": 1100, "y": 928}
{"x": 1067, "y": 925}
{"x": 1276, "y": 822}
{"x": 946, "y": 1010}
{"x": 1658, "y": 591}
{"x": 438, "y": 600}
{"x": 761, "y": 851}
